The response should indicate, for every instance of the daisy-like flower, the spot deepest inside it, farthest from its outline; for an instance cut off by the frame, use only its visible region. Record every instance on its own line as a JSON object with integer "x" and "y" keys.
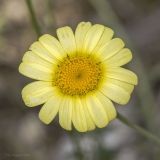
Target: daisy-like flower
{"x": 79, "y": 75}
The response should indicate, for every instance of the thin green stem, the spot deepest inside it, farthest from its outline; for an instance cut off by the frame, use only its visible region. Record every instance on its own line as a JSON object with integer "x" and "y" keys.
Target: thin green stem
{"x": 33, "y": 17}
{"x": 139, "y": 129}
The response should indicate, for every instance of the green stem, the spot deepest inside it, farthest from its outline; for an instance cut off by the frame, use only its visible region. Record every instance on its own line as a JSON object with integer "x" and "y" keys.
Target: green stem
{"x": 139, "y": 129}
{"x": 33, "y": 18}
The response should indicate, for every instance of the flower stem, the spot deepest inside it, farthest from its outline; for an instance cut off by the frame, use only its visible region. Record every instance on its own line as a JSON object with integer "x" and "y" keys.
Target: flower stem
{"x": 139, "y": 129}
{"x": 33, "y": 18}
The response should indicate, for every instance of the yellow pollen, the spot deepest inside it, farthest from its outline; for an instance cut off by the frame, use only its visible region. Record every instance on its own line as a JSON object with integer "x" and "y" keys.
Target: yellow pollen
{"x": 78, "y": 75}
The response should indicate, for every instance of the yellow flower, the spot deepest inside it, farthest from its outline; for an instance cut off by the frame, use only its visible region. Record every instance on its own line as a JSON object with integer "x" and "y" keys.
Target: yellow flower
{"x": 78, "y": 76}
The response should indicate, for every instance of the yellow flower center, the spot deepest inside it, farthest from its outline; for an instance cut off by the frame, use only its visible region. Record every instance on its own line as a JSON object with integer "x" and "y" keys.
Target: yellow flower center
{"x": 78, "y": 75}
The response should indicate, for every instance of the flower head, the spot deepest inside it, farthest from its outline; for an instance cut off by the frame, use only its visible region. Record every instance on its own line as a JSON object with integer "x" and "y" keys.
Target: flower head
{"x": 79, "y": 75}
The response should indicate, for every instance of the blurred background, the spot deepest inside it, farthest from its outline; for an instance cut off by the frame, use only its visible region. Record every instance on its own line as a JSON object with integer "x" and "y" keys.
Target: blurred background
{"x": 24, "y": 137}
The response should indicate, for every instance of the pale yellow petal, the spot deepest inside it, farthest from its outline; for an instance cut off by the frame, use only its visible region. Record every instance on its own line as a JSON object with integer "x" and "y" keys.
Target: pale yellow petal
{"x": 90, "y": 123}
{"x": 105, "y": 38}
{"x": 121, "y": 74}
{"x": 53, "y": 46}
{"x": 119, "y": 59}
{"x": 97, "y": 111}
{"x": 65, "y": 113}
{"x": 50, "y": 109}
{"x": 30, "y": 57}
{"x": 92, "y": 38}
{"x": 107, "y": 105}
{"x": 42, "y": 52}
{"x": 126, "y": 86}
{"x": 80, "y": 35}
{"x": 67, "y": 39}
{"x": 37, "y": 93}
{"x": 111, "y": 48}
{"x": 115, "y": 93}
{"x": 36, "y": 71}
{"x": 78, "y": 116}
